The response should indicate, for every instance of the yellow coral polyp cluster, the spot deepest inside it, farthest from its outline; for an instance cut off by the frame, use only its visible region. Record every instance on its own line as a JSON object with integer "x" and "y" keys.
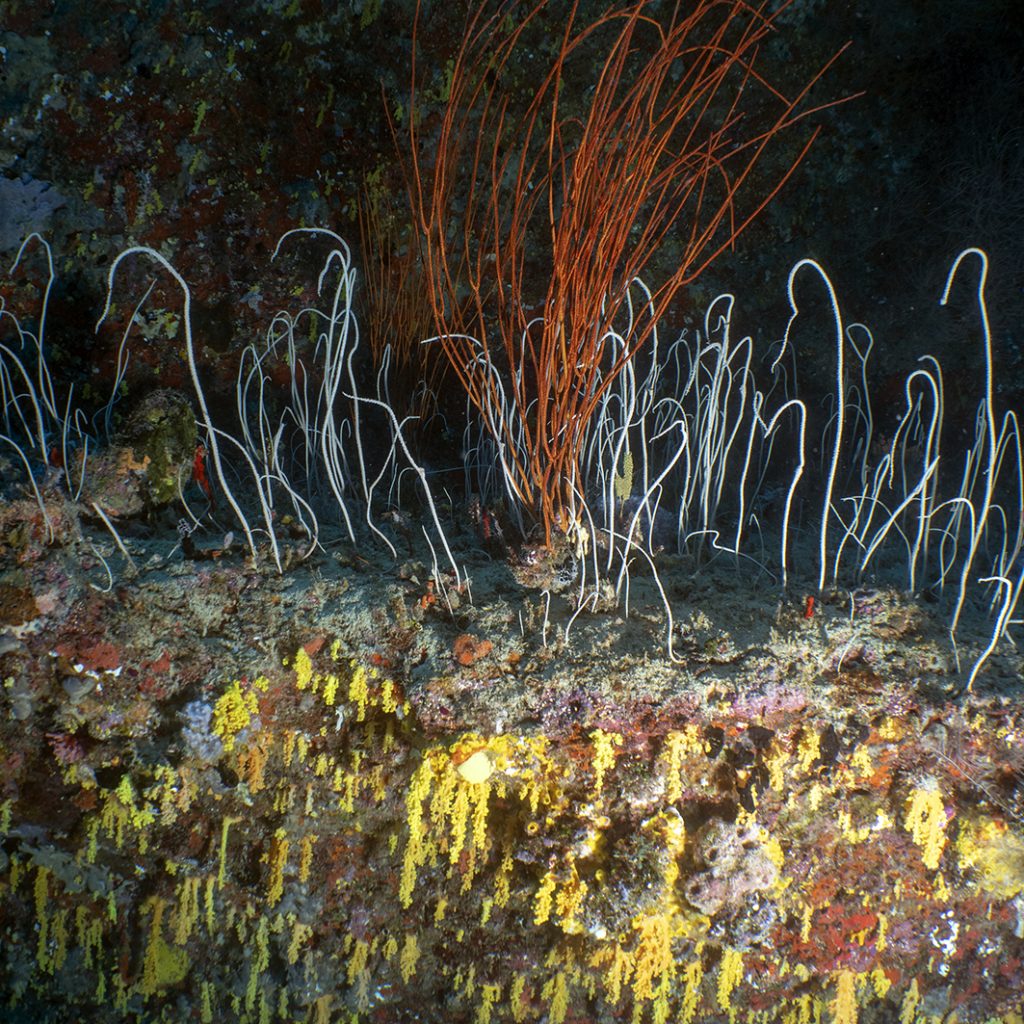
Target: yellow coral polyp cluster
{"x": 121, "y": 810}
{"x": 844, "y": 1007}
{"x": 164, "y": 965}
{"x": 680, "y": 746}
{"x": 605, "y": 754}
{"x": 730, "y": 975}
{"x": 235, "y": 709}
{"x": 994, "y": 854}
{"x": 808, "y": 750}
{"x": 645, "y": 961}
{"x": 926, "y": 821}
{"x": 278, "y": 859}
{"x": 654, "y": 965}
{"x": 457, "y": 810}
{"x": 366, "y": 690}
{"x": 448, "y": 800}
{"x": 417, "y": 846}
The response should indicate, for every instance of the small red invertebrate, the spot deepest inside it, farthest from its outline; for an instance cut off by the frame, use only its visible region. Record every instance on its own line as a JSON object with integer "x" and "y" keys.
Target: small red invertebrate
{"x": 199, "y": 471}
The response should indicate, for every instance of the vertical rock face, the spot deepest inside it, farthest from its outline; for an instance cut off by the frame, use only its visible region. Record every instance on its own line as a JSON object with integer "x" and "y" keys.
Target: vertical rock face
{"x": 348, "y": 792}
{"x": 26, "y": 205}
{"x": 705, "y": 863}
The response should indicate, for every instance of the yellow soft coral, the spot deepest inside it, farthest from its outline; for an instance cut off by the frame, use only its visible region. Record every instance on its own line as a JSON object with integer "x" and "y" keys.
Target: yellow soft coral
{"x": 995, "y": 853}
{"x": 654, "y": 964}
{"x": 730, "y": 974}
{"x": 604, "y": 755}
{"x": 417, "y": 843}
{"x": 844, "y": 1007}
{"x": 235, "y": 710}
{"x": 926, "y": 821}
{"x": 303, "y": 669}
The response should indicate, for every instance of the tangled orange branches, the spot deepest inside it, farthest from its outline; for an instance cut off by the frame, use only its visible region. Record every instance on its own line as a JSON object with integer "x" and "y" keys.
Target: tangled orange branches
{"x": 555, "y": 195}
